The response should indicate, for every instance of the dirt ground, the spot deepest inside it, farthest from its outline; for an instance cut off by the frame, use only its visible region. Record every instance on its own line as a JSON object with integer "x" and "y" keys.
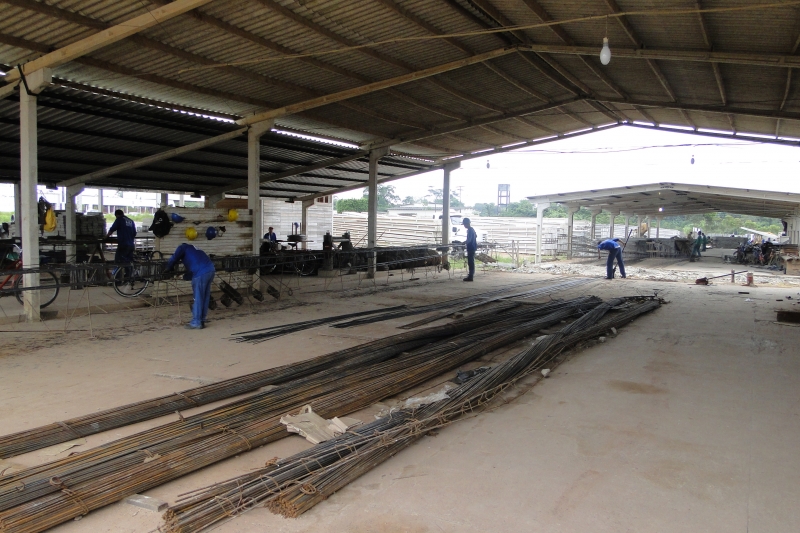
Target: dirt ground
{"x": 689, "y": 420}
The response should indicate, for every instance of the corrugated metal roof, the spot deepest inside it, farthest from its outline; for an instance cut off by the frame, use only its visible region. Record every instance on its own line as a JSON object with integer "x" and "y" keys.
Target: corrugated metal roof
{"x": 477, "y": 104}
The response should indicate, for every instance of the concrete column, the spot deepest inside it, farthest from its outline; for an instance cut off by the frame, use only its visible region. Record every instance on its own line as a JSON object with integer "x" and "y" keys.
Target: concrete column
{"x": 182, "y": 200}
{"x": 570, "y": 228}
{"x": 29, "y": 178}
{"x": 627, "y": 225}
{"x": 304, "y": 221}
{"x": 611, "y": 224}
{"x": 658, "y": 227}
{"x": 372, "y": 210}
{"x": 539, "y": 220}
{"x": 594, "y": 213}
{"x": 254, "y": 202}
{"x": 638, "y": 224}
{"x": 71, "y": 219}
{"x": 100, "y": 205}
{"x": 17, "y": 208}
{"x": 446, "y": 208}
{"x": 164, "y": 200}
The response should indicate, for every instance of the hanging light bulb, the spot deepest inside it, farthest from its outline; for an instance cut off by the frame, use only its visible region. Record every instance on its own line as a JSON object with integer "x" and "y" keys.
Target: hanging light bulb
{"x": 693, "y": 159}
{"x": 605, "y": 53}
{"x": 487, "y": 163}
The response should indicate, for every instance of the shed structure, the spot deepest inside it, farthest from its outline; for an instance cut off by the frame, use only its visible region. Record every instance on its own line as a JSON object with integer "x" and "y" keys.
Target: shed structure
{"x": 408, "y": 86}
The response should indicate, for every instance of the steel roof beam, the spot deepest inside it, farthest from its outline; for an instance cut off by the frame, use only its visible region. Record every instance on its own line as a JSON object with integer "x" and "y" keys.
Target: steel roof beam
{"x": 785, "y": 115}
{"x": 106, "y": 37}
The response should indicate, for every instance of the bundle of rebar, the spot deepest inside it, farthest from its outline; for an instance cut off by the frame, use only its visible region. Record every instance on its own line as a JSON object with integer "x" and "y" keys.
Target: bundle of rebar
{"x": 293, "y": 485}
{"x": 37, "y": 498}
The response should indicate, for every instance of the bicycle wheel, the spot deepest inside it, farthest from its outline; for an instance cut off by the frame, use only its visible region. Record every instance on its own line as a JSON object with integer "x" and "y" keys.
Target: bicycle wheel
{"x": 129, "y": 286}
{"x": 49, "y": 286}
{"x": 305, "y": 265}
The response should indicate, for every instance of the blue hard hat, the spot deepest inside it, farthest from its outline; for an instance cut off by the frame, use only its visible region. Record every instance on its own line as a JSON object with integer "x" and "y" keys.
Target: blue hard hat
{"x": 176, "y": 217}
{"x": 211, "y": 232}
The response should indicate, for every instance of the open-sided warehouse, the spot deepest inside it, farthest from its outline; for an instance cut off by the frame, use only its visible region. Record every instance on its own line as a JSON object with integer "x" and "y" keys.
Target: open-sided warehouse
{"x": 381, "y": 395}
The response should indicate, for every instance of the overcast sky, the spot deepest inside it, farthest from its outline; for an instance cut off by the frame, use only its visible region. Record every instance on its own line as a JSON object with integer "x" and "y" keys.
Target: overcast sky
{"x": 608, "y": 158}
{"x": 617, "y": 157}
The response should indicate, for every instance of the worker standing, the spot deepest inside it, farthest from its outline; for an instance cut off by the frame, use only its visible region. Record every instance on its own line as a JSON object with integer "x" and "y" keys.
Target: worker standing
{"x": 270, "y": 235}
{"x": 698, "y": 242}
{"x": 126, "y": 233}
{"x": 199, "y": 269}
{"x": 472, "y": 247}
{"x": 614, "y": 252}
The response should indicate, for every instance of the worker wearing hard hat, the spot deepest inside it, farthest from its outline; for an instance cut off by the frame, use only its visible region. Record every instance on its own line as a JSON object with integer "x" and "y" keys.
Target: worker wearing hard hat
{"x": 472, "y": 247}
{"x": 199, "y": 269}
{"x": 614, "y": 252}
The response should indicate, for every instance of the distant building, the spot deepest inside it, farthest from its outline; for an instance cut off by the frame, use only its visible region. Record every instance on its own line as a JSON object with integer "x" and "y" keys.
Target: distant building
{"x": 426, "y": 211}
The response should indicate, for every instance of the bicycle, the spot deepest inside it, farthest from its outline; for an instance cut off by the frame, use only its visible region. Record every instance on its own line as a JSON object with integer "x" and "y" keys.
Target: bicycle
{"x": 49, "y": 283}
{"x": 131, "y": 281}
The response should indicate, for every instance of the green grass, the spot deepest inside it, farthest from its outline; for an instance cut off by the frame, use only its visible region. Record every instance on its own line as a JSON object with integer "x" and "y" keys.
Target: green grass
{"x": 5, "y": 216}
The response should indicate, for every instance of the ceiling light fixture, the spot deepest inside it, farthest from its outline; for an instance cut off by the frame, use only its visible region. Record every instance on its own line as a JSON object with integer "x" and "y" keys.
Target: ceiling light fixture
{"x": 605, "y": 53}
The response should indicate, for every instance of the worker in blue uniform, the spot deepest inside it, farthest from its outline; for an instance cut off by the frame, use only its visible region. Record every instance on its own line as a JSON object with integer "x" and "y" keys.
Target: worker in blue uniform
{"x": 126, "y": 233}
{"x": 199, "y": 269}
{"x": 472, "y": 247}
{"x": 614, "y": 250}
{"x": 270, "y": 235}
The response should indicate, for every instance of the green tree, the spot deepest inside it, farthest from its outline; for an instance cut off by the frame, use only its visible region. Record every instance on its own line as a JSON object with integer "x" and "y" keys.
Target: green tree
{"x": 522, "y": 208}
{"x": 358, "y": 205}
{"x": 386, "y": 197}
{"x": 455, "y": 202}
{"x": 409, "y": 200}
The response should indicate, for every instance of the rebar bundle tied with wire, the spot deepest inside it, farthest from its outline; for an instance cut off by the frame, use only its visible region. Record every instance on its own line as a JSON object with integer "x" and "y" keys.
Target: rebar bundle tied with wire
{"x": 82, "y": 426}
{"x": 30, "y": 500}
{"x": 293, "y": 485}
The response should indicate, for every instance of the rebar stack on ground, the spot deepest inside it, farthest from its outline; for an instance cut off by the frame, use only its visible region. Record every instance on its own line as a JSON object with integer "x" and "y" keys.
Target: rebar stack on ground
{"x": 82, "y": 426}
{"x": 293, "y": 485}
{"x": 41, "y": 497}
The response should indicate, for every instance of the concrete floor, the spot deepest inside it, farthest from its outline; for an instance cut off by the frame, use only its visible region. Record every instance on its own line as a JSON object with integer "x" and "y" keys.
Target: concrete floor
{"x": 688, "y": 421}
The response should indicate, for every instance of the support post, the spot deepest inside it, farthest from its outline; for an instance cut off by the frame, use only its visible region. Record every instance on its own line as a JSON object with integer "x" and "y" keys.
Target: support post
{"x": 182, "y": 200}
{"x": 100, "y": 205}
{"x": 304, "y": 221}
{"x": 594, "y": 213}
{"x": 539, "y": 220}
{"x": 372, "y": 211}
{"x": 658, "y": 227}
{"x": 627, "y": 225}
{"x": 71, "y": 220}
{"x": 17, "y": 209}
{"x": 570, "y": 228}
{"x": 611, "y": 224}
{"x": 164, "y": 200}
{"x": 254, "y": 202}
{"x": 638, "y": 225}
{"x": 446, "y": 209}
{"x": 29, "y": 178}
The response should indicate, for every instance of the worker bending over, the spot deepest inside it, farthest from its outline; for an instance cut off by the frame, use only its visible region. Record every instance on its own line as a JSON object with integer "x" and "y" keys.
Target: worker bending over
{"x": 614, "y": 252}
{"x": 199, "y": 269}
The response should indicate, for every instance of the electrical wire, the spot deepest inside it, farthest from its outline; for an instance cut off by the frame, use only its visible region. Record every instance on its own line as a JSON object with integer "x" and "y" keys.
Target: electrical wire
{"x": 504, "y": 29}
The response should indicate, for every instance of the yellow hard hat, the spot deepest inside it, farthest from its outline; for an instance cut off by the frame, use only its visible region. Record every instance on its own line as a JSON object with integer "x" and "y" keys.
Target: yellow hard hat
{"x": 191, "y": 234}
{"x": 233, "y": 215}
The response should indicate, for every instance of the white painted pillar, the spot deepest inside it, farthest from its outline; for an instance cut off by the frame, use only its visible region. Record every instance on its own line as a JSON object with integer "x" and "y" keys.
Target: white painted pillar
{"x": 539, "y": 221}
{"x": 100, "y": 204}
{"x": 17, "y": 208}
{"x": 638, "y": 224}
{"x": 570, "y": 228}
{"x": 182, "y": 200}
{"x": 71, "y": 219}
{"x": 304, "y": 221}
{"x": 446, "y": 208}
{"x": 372, "y": 208}
{"x": 29, "y": 178}
{"x": 627, "y": 225}
{"x": 594, "y": 213}
{"x": 613, "y": 215}
{"x": 658, "y": 227}
{"x": 254, "y": 202}
{"x": 164, "y": 200}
